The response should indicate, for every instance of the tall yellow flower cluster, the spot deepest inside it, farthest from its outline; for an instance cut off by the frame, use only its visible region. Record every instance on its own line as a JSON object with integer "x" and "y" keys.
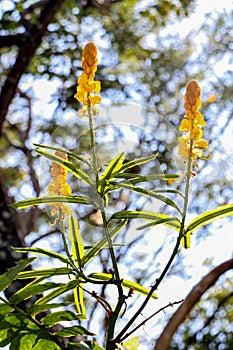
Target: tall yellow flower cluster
{"x": 88, "y": 89}
{"x": 58, "y": 186}
{"x": 192, "y": 143}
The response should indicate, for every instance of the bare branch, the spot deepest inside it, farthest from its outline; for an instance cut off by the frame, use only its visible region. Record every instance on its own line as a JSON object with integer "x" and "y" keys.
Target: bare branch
{"x": 192, "y": 298}
{"x": 25, "y": 55}
{"x": 148, "y": 318}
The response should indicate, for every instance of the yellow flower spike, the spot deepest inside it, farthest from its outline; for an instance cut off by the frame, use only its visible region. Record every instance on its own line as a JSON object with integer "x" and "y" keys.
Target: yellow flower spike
{"x": 191, "y": 143}
{"x": 88, "y": 89}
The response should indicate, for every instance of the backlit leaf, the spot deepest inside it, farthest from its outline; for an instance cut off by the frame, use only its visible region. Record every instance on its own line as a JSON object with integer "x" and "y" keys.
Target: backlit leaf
{"x": 210, "y": 216}
{"x": 12, "y": 273}
{"x": 50, "y": 200}
{"x": 102, "y": 243}
{"x": 77, "y": 172}
{"x": 127, "y": 284}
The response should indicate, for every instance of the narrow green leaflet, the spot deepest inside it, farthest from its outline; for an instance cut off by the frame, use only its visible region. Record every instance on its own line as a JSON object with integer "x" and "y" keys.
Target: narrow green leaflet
{"x": 50, "y": 200}
{"x": 102, "y": 243}
{"x": 80, "y": 174}
{"x": 42, "y": 251}
{"x": 146, "y": 215}
{"x": 74, "y": 330}
{"x": 210, "y": 216}
{"x": 186, "y": 240}
{"x": 12, "y": 273}
{"x": 69, "y": 153}
{"x": 140, "y": 178}
{"x": 76, "y": 240}
{"x": 78, "y": 253}
{"x": 45, "y": 272}
{"x": 65, "y": 287}
{"x": 112, "y": 168}
{"x": 79, "y": 300}
{"x": 30, "y": 290}
{"x": 34, "y": 309}
{"x": 172, "y": 222}
{"x": 137, "y": 162}
{"x": 59, "y": 316}
{"x": 5, "y": 309}
{"x": 127, "y": 284}
{"x": 149, "y": 193}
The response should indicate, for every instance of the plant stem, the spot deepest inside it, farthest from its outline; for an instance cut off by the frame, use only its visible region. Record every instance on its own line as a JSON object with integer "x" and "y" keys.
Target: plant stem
{"x": 118, "y": 282}
{"x": 118, "y": 339}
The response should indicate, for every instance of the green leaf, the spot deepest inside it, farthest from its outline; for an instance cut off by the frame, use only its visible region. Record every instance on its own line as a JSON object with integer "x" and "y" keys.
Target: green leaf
{"x": 69, "y": 153}
{"x": 79, "y": 300}
{"x": 50, "y": 200}
{"x": 149, "y": 193}
{"x": 80, "y": 174}
{"x": 6, "y": 335}
{"x": 25, "y": 340}
{"x": 210, "y": 216}
{"x": 59, "y": 316}
{"x": 45, "y": 272}
{"x": 186, "y": 240}
{"x": 139, "y": 178}
{"x": 167, "y": 221}
{"x": 127, "y": 284}
{"x": 5, "y": 309}
{"x": 102, "y": 243}
{"x": 112, "y": 168}
{"x": 78, "y": 253}
{"x": 136, "y": 162}
{"x": 42, "y": 251}
{"x": 74, "y": 330}
{"x": 47, "y": 344}
{"x": 76, "y": 240}
{"x": 63, "y": 288}
{"x": 11, "y": 274}
{"x": 132, "y": 344}
{"x": 146, "y": 215}
{"x": 34, "y": 309}
{"x": 31, "y": 289}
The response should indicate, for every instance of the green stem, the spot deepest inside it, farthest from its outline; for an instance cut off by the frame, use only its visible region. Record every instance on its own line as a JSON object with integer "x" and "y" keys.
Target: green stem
{"x": 118, "y": 339}
{"x": 118, "y": 282}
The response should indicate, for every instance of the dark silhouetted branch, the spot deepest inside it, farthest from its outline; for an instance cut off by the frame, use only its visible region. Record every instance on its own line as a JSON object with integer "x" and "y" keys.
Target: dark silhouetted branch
{"x": 25, "y": 55}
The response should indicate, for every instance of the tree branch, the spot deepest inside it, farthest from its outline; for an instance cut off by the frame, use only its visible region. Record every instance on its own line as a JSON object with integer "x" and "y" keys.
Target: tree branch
{"x": 10, "y": 40}
{"x": 192, "y": 298}
{"x": 25, "y": 55}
